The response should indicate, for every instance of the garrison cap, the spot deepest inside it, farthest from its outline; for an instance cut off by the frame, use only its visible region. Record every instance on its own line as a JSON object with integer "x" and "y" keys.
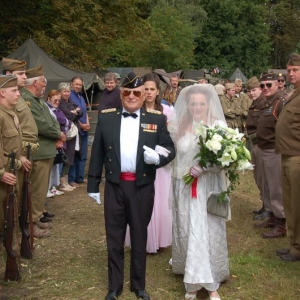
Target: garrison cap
{"x": 9, "y": 64}
{"x": 294, "y": 60}
{"x": 132, "y": 81}
{"x": 253, "y": 83}
{"x": 35, "y": 72}
{"x": 268, "y": 76}
{"x": 7, "y": 81}
{"x": 229, "y": 86}
{"x": 280, "y": 75}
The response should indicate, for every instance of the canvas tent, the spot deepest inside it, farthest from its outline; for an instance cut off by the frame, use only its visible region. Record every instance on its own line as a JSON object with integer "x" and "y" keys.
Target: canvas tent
{"x": 54, "y": 71}
{"x": 238, "y": 74}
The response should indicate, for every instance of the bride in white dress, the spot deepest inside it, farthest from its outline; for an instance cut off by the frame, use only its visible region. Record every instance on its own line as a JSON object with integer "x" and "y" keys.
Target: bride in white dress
{"x": 199, "y": 249}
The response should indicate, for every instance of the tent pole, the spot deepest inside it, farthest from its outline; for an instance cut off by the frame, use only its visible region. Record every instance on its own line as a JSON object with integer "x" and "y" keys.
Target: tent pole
{"x": 87, "y": 98}
{"x": 92, "y": 96}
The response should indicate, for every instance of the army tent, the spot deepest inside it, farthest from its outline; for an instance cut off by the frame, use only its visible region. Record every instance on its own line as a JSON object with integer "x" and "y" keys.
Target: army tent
{"x": 238, "y": 74}
{"x": 54, "y": 71}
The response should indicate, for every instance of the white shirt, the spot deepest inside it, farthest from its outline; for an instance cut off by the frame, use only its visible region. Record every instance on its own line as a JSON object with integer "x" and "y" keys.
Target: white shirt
{"x": 129, "y": 137}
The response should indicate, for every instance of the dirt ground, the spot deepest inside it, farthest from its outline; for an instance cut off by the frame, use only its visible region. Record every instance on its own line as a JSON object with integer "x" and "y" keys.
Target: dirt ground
{"x": 71, "y": 264}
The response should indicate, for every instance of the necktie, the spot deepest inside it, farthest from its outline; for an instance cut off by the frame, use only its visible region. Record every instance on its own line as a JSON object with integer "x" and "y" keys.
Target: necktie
{"x": 126, "y": 114}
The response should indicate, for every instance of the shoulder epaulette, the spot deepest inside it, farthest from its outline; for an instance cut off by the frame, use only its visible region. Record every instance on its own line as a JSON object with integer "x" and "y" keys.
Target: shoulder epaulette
{"x": 109, "y": 110}
{"x": 153, "y": 111}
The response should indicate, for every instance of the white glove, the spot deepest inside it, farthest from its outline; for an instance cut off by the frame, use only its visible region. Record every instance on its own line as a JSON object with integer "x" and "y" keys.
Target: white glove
{"x": 213, "y": 168}
{"x": 95, "y": 196}
{"x": 162, "y": 151}
{"x": 196, "y": 171}
{"x": 150, "y": 156}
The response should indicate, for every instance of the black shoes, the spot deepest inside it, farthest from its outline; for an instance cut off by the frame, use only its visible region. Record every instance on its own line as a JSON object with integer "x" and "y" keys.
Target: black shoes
{"x": 45, "y": 220}
{"x": 289, "y": 257}
{"x": 142, "y": 294}
{"x": 282, "y": 251}
{"x": 48, "y": 215}
{"x": 112, "y": 295}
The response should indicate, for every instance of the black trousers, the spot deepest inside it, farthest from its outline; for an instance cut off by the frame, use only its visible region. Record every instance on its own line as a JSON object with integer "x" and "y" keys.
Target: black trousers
{"x": 125, "y": 203}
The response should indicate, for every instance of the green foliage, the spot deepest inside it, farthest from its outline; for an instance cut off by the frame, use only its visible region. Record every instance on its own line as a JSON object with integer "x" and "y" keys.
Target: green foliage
{"x": 233, "y": 36}
{"x": 169, "y": 34}
{"x": 284, "y": 22}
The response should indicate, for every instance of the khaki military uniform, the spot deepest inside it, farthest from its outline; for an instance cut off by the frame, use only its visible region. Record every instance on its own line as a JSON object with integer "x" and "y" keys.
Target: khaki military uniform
{"x": 10, "y": 140}
{"x": 270, "y": 161}
{"x": 288, "y": 145}
{"x": 244, "y": 103}
{"x": 232, "y": 111}
{"x": 29, "y": 133}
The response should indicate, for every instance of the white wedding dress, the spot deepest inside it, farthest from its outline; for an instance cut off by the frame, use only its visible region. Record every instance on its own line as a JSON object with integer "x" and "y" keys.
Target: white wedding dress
{"x": 199, "y": 250}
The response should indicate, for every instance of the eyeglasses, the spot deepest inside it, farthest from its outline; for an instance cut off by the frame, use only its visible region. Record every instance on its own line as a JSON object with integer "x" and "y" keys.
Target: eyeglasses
{"x": 267, "y": 85}
{"x": 280, "y": 80}
{"x": 56, "y": 101}
{"x": 126, "y": 93}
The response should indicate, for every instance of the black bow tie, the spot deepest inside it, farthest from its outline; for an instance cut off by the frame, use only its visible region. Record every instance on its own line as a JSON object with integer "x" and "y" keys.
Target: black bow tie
{"x": 126, "y": 114}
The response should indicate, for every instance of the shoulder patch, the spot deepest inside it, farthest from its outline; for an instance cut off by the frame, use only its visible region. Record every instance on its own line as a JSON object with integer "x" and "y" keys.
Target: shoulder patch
{"x": 153, "y": 111}
{"x": 105, "y": 111}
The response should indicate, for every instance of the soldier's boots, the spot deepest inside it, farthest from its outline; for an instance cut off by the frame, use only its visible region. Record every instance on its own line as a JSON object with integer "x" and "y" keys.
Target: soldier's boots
{"x": 271, "y": 222}
{"x": 278, "y": 231}
{"x": 40, "y": 233}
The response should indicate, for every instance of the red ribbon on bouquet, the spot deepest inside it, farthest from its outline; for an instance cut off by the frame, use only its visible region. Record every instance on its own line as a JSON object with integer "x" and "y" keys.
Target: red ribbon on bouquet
{"x": 194, "y": 187}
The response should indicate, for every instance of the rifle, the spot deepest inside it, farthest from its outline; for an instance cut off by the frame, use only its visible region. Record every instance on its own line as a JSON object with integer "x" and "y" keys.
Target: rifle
{"x": 27, "y": 238}
{"x": 12, "y": 271}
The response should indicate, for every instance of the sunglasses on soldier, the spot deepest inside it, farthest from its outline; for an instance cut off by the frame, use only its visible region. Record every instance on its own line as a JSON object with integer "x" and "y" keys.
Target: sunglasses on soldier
{"x": 267, "y": 85}
{"x": 280, "y": 80}
{"x": 126, "y": 93}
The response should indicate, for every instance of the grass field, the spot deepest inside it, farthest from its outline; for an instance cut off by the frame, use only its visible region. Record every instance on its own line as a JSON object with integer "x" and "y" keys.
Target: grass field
{"x": 72, "y": 264}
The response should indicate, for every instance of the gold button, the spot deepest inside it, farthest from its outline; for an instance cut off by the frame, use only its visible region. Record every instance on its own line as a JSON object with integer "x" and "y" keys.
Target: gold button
{"x": 110, "y": 147}
{"x": 144, "y": 175}
{"x": 109, "y": 160}
{"x": 110, "y": 172}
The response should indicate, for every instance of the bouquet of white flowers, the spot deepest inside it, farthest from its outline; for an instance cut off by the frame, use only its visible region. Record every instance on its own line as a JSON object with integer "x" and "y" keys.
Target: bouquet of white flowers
{"x": 222, "y": 147}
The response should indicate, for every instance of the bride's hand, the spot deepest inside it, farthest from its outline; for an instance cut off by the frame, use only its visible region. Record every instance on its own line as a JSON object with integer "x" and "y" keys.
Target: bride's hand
{"x": 196, "y": 171}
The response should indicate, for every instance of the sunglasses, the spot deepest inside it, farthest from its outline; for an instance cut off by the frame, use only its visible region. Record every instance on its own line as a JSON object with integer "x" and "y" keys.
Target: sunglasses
{"x": 268, "y": 85}
{"x": 126, "y": 93}
{"x": 280, "y": 80}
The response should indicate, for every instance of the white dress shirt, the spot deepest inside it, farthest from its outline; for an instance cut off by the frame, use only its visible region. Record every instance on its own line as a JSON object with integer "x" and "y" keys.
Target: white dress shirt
{"x": 129, "y": 137}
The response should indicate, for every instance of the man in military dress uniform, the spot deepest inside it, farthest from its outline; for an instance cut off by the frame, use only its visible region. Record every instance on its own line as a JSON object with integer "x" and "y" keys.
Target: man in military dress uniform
{"x": 256, "y": 95}
{"x": 244, "y": 102}
{"x": 288, "y": 145}
{"x": 11, "y": 136}
{"x": 124, "y": 141}
{"x": 50, "y": 138}
{"x": 10, "y": 140}
{"x": 281, "y": 79}
{"x": 230, "y": 106}
{"x": 27, "y": 123}
{"x": 270, "y": 161}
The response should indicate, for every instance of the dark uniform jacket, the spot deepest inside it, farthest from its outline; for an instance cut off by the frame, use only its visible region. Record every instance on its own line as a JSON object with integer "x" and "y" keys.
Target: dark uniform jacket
{"x": 288, "y": 126}
{"x": 106, "y": 147}
{"x": 253, "y": 114}
{"x": 267, "y": 120}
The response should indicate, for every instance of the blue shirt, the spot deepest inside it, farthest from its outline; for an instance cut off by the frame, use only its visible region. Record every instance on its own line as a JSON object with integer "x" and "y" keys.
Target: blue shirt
{"x": 164, "y": 101}
{"x": 77, "y": 99}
